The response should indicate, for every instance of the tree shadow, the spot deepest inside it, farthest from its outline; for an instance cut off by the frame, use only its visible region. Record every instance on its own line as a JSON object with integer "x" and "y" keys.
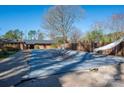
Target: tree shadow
{"x": 40, "y": 82}
{"x": 49, "y": 61}
{"x": 117, "y": 76}
{"x": 9, "y": 63}
{"x": 52, "y": 79}
{"x": 12, "y": 69}
{"x": 71, "y": 67}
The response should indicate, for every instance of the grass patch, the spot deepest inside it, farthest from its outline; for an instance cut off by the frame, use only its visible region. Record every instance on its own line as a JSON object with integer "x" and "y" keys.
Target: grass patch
{"x": 5, "y": 54}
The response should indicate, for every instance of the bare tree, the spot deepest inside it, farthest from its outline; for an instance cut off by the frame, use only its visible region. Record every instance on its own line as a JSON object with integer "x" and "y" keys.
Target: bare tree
{"x": 59, "y": 20}
{"x": 52, "y": 35}
{"x": 32, "y": 34}
{"x": 75, "y": 35}
{"x": 39, "y": 35}
{"x": 116, "y": 25}
{"x": 117, "y": 22}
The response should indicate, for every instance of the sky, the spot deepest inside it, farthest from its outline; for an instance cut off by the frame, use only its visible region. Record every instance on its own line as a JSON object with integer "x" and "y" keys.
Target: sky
{"x": 30, "y": 17}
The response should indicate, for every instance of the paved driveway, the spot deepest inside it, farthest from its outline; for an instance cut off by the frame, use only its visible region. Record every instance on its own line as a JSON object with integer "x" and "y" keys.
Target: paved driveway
{"x": 49, "y": 62}
{"x": 12, "y": 69}
{"x": 46, "y": 67}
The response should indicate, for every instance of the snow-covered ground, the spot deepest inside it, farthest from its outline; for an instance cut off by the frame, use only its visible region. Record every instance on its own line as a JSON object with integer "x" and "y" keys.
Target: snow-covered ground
{"x": 50, "y": 62}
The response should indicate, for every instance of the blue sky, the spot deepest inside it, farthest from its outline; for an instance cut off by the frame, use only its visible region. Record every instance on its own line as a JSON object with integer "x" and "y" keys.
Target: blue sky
{"x": 28, "y": 18}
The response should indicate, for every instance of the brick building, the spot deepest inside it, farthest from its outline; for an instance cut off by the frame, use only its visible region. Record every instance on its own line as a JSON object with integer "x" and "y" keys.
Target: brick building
{"x": 28, "y": 44}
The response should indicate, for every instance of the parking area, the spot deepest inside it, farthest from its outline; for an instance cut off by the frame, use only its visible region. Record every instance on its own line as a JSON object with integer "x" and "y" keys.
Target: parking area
{"x": 49, "y": 62}
{"x": 48, "y": 67}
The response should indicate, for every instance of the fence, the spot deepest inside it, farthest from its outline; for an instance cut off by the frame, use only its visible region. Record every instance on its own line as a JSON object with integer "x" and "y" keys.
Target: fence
{"x": 90, "y": 46}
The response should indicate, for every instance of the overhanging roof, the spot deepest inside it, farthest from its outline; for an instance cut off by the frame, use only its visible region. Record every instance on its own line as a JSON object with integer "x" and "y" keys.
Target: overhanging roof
{"x": 39, "y": 41}
{"x": 27, "y": 41}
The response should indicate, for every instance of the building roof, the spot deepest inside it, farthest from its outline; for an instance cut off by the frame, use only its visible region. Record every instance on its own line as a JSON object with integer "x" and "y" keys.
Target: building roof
{"x": 8, "y": 40}
{"x": 39, "y": 41}
{"x": 2, "y": 40}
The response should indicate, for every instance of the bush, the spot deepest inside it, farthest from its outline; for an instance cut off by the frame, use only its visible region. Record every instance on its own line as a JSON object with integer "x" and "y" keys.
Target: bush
{"x": 54, "y": 45}
{"x": 36, "y": 47}
{"x": 10, "y": 49}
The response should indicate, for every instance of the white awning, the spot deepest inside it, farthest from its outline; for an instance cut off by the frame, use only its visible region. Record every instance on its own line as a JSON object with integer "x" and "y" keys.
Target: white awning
{"x": 109, "y": 46}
